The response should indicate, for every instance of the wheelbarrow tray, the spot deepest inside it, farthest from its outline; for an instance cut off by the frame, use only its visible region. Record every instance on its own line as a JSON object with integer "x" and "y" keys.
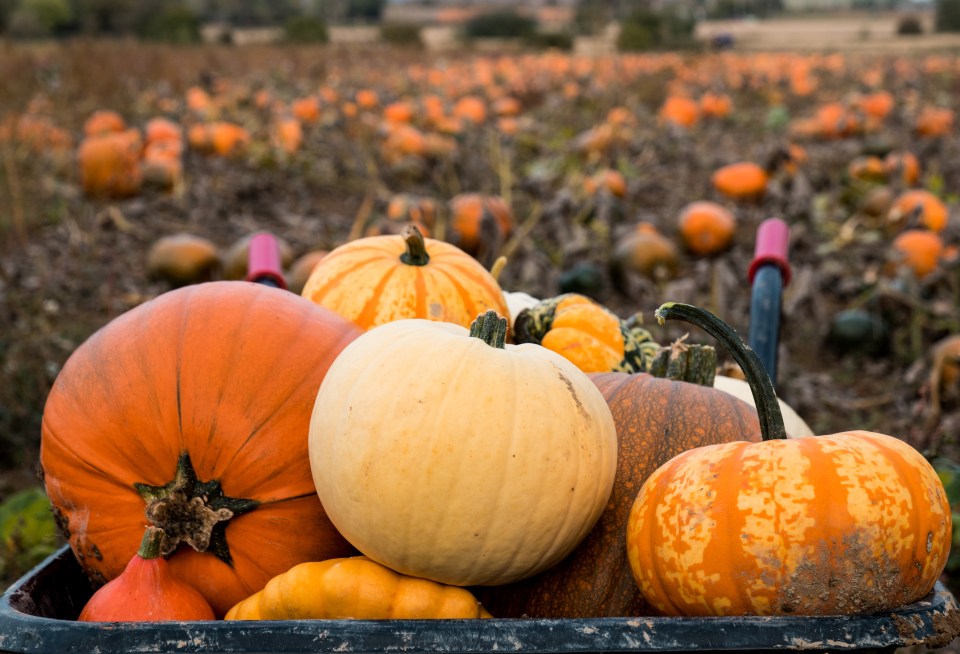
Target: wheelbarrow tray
{"x": 38, "y": 616}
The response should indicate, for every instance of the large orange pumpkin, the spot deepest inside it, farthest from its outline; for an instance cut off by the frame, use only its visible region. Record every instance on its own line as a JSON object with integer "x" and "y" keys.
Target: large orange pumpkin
{"x": 850, "y": 523}
{"x": 191, "y": 412}
{"x": 379, "y": 279}
{"x": 656, "y": 419}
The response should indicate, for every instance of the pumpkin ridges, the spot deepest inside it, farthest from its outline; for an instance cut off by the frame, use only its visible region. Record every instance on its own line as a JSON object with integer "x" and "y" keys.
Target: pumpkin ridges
{"x": 274, "y": 390}
{"x": 331, "y": 286}
{"x": 469, "y": 304}
{"x": 447, "y": 300}
{"x": 895, "y": 455}
{"x": 795, "y": 574}
{"x": 374, "y": 251}
{"x": 159, "y": 423}
{"x": 371, "y": 308}
{"x": 661, "y": 581}
{"x": 455, "y": 551}
{"x": 727, "y": 495}
{"x": 470, "y": 274}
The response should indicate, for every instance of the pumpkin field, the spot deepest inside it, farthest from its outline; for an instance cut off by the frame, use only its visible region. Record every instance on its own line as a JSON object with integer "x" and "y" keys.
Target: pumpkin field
{"x": 607, "y": 185}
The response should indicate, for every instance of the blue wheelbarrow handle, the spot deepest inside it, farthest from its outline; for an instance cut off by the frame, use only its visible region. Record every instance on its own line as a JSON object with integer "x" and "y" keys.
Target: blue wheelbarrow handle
{"x": 769, "y": 273}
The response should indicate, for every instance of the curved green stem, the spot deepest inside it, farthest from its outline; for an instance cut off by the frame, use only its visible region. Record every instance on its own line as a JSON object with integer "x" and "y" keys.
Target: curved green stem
{"x": 416, "y": 254}
{"x": 150, "y": 545}
{"x": 490, "y": 328}
{"x": 768, "y": 408}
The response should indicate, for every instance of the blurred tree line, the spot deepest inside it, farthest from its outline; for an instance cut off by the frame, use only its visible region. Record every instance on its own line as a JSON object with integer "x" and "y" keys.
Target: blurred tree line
{"x": 171, "y": 20}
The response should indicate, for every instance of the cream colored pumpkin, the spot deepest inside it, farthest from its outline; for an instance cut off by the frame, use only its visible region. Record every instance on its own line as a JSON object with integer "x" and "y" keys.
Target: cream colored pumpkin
{"x": 795, "y": 425}
{"x": 459, "y": 459}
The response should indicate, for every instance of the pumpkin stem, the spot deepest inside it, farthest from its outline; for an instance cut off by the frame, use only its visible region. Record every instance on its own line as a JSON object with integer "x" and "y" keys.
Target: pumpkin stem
{"x": 768, "y": 408}
{"x": 189, "y": 510}
{"x": 150, "y": 545}
{"x": 689, "y": 362}
{"x": 490, "y": 328}
{"x": 416, "y": 254}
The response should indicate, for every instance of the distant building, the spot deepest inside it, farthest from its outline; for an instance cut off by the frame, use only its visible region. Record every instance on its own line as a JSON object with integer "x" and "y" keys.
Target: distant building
{"x": 551, "y": 15}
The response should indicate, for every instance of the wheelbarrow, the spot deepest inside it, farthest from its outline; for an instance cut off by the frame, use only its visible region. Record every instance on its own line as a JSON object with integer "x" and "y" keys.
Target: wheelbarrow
{"x": 38, "y": 616}
{"x": 38, "y": 613}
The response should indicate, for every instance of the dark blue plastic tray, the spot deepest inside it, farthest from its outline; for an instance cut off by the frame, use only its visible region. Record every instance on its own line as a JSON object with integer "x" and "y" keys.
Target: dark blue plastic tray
{"x": 37, "y": 616}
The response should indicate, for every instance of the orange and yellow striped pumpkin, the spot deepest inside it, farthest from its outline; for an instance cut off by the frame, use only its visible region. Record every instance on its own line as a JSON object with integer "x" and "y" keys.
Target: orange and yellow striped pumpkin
{"x": 849, "y": 523}
{"x": 379, "y": 279}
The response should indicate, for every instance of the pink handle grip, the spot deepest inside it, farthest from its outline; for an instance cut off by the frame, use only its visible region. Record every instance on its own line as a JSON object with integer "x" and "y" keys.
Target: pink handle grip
{"x": 263, "y": 260}
{"x": 773, "y": 243}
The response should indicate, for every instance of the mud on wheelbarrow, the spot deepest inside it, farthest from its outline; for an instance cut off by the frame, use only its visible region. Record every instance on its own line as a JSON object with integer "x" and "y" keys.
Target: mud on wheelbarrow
{"x": 38, "y": 616}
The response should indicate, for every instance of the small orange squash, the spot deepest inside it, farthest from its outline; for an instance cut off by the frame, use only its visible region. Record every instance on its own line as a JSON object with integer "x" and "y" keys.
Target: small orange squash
{"x": 355, "y": 588}
{"x": 379, "y": 279}
{"x": 586, "y": 333}
{"x": 850, "y": 523}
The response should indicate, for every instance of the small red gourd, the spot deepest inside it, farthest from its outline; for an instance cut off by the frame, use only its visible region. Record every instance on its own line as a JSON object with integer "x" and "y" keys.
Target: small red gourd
{"x": 147, "y": 591}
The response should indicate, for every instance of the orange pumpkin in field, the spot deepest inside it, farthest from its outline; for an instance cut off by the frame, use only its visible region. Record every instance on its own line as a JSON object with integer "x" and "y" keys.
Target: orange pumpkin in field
{"x": 919, "y": 250}
{"x": 288, "y": 134}
{"x": 607, "y": 179}
{"x": 162, "y": 129}
{"x": 867, "y": 168}
{"x": 715, "y": 105}
{"x": 228, "y": 138}
{"x": 680, "y": 110}
{"x": 406, "y": 206}
{"x": 934, "y": 121}
{"x": 903, "y": 165}
{"x": 104, "y": 121}
{"x": 741, "y": 181}
{"x": 110, "y": 164}
{"x": 471, "y": 108}
{"x": 646, "y": 251}
{"x": 306, "y": 109}
{"x": 379, "y": 279}
{"x": 926, "y": 207}
{"x": 474, "y": 215}
{"x": 211, "y": 447}
{"x": 706, "y": 227}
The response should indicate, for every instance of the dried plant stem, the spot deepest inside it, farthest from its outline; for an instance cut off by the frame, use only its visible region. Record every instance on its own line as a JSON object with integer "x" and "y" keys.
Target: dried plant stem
{"x": 16, "y": 196}
{"x": 360, "y": 219}
{"x": 511, "y": 245}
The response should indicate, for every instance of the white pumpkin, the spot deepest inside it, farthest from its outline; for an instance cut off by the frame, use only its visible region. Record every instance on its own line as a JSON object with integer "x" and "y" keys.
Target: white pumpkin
{"x": 457, "y": 458}
{"x": 517, "y": 301}
{"x": 792, "y": 422}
